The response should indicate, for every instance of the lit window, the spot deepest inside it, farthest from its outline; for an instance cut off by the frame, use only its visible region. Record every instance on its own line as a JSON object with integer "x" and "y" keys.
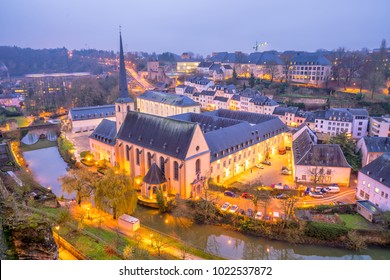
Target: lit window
{"x": 376, "y": 190}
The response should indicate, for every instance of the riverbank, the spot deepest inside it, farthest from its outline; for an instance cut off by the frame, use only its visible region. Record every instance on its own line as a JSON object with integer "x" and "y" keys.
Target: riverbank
{"x": 292, "y": 231}
{"x": 41, "y": 144}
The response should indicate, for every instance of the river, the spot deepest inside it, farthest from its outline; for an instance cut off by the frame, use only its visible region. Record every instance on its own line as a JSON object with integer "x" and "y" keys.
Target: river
{"x": 47, "y": 166}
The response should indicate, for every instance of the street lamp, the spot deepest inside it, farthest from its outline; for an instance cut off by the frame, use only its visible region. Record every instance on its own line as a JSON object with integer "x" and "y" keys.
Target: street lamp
{"x": 89, "y": 217}
{"x": 58, "y": 236}
{"x": 151, "y": 239}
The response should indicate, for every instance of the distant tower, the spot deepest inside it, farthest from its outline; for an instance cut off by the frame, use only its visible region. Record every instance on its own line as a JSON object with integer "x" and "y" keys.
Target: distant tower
{"x": 124, "y": 103}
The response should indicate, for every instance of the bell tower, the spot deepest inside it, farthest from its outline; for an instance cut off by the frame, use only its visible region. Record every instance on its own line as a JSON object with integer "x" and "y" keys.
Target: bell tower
{"x": 124, "y": 103}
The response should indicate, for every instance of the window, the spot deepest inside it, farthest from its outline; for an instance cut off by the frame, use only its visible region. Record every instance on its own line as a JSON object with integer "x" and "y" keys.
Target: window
{"x": 149, "y": 159}
{"x": 162, "y": 165}
{"x": 386, "y": 195}
{"x": 128, "y": 108}
{"x": 119, "y": 108}
{"x": 304, "y": 177}
{"x": 376, "y": 190}
{"x": 361, "y": 194}
{"x": 382, "y": 193}
{"x": 197, "y": 166}
{"x": 127, "y": 152}
{"x": 175, "y": 171}
{"x": 137, "y": 152}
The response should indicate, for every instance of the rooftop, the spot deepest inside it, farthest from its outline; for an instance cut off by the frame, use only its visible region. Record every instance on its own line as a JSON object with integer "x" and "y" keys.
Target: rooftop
{"x": 168, "y": 98}
{"x": 92, "y": 112}
{"x": 105, "y": 132}
{"x": 377, "y": 144}
{"x": 379, "y": 169}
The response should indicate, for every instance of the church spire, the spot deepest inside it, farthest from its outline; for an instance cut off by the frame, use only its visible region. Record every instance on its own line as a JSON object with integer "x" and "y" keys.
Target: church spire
{"x": 123, "y": 93}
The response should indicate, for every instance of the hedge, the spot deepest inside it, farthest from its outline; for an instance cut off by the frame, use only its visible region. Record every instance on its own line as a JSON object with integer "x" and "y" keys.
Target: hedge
{"x": 325, "y": 231}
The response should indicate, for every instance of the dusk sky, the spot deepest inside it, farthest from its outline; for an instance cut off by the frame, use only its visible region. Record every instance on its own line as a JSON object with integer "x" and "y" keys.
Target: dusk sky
{"x": 200, "y": 26}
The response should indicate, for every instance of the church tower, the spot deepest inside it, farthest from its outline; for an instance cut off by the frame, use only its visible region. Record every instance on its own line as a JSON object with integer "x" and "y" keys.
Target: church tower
{"x": 124, "y": 103}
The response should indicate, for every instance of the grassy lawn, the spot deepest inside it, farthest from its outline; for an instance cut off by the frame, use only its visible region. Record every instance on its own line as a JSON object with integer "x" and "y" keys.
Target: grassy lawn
{"x": 41, "y": 144}
{"x": 357, "y": 222}
{"x": 22, "y": 120}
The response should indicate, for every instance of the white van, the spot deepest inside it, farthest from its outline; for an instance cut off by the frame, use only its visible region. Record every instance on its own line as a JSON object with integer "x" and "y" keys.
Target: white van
{"x": 333, "y": 189}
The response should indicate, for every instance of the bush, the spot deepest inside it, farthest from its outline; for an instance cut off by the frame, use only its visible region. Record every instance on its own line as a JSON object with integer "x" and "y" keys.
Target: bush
{"x": 84, "y": 154}
{"x": 324, "y": 231}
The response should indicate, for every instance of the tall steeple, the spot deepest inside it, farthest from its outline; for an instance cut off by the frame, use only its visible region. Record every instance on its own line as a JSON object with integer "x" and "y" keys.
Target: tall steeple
{"x": 124, "y": 103}
{"x": 123, "y": 93}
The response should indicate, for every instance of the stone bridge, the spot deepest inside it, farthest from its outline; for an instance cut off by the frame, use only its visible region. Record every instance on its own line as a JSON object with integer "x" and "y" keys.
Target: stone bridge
{"x": 31, "y": 134}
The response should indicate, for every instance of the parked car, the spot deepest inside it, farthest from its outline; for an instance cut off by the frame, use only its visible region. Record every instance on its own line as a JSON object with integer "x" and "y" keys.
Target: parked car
{"x": 286, "y": 172}
{"x": 247, "y": 195}
{"x": 285, "y": 168}
{"x": 266, "y": 162}
{"x": 282, "y": 196}
{"x": 258, "y": 215}
{"x": 282, "y": 151}
{"x": 249, "y": 212}
{"x": 316, "y": 194}
{"x": 225, "y": 206}
{"x": 333, "y": 189}
{"x": 319, "y": 190}
{"x": 260, "y": 166}
{"x": 325, "y": 190}
{"x": 229, "y": 193}
{"x": 278, "y": 186}
{"x": 233, "y": 209}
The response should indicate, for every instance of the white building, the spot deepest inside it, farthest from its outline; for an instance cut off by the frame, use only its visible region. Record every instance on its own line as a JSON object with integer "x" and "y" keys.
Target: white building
{"x": 340, "y": 120}
{"x": 199, "y": 83}
{"x": 84, "y": 119}
{"x": 380, "y": 126}
{"x": 374, "y": 182}
{"x": 309, "y": 68}
{"x": 318, "y": 163}
{"x": 165, "y": 104}
{"x": 372, "y": 147}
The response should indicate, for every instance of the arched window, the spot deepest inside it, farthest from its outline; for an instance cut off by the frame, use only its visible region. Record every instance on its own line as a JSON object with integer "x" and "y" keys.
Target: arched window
{"x": 149, "y": 159}
{"x": 137, "y": 156}
{"x": 127, "y": 152}
{"x": 176, "y": 171}
{"x": 162, "y": 165}
{"x": 128, "y": 108}
{"x": 197, "y": 166}
{"x": 119, "y": 108}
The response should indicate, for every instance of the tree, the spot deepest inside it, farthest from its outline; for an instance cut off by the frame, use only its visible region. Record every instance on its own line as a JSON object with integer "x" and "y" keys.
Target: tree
{"x": 286, "y": 59}
{"x": 347, "y": 145}
{"x": 234, "y": 74}
{"x": 115, "y": 192}
{"x": 164, "y": 203}
{"x": 316, "y": 173}
{"x": 80, "y": 181}
{"x": 375, "y": 81}
{"x": 288, "y": 206}
{"x": 159, "y": 243}
{"x": 272, "y": 69}
{"x": 252, "y": 81}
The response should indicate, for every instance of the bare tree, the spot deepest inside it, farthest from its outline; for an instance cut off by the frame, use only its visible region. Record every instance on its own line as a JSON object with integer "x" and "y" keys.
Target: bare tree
{"x": 375, "y": 81}
{"x": 286, "y": 59}
{"x": 159, "y": 243}
{"x": 316, "y": 173}
{"x": 288, "y": 206}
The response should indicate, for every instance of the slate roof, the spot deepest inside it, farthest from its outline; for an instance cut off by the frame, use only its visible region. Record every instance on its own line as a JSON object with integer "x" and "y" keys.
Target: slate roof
{"x": 221, "y": 99}
{"x": 377, "y": 144}
{"x": 206, "y": 122}
{"x": 382, "y": 119}
{"x": 379, "y": 168}
{"x": 318, "y": 154}
{"x": 207, "y": 92}
{"x": 264, "y": 58}
{"x": 283, "y": 110}
{"x": 225, "y": 57}
{"x": 168, "y": 98}
{"x": 198, "y": 80}
{"x": 215, "y": 66}
{"x": 154, "y": 176}
{"x": 229, "y": 140}
{"x": 189, "y": 89}
{"x": 306, "y": 58}
{"x": 252, "y": 118}
{"x": 165, "y": 135}
{"x": 263, "y": 100}
{"x": 105, "y": 132}
{"x": 301, "y": 146}
{"x": 250, "y": 92}
{"x": 92, "y": 112}
{"x": 236, "y": 97}
{"x": 205, "y": 64}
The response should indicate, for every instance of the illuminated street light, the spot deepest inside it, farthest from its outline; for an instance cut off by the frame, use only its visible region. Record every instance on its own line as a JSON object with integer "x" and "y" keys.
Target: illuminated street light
{"x": 58, "y": 236}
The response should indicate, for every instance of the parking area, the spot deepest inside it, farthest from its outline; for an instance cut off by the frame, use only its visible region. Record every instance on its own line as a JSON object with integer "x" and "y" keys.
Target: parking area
{"x": 268, "y": 175}
{"x": 80, "y": 141}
